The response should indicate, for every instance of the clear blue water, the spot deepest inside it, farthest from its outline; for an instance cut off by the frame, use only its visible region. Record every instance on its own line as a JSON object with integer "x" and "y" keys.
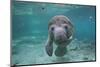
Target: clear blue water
{"x": 30, "y": 30}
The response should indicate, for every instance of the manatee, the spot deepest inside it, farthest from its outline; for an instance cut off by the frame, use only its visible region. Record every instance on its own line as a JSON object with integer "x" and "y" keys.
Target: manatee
{"x": 60, "y": 32}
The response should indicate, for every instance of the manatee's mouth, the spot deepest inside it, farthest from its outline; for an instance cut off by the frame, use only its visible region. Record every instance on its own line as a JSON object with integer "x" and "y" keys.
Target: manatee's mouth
{"x": 61, "y": 41}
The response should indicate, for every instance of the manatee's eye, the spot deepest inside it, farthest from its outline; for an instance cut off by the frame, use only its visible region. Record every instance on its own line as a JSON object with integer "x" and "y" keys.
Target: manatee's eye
{"x": 64, "y": 22}
{"x": 65, "y": 27}
{"x": 52, "y": 28}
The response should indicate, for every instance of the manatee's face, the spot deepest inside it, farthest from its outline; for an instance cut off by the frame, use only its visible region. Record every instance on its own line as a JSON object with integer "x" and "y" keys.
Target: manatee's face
{"x": 59, "y": 32}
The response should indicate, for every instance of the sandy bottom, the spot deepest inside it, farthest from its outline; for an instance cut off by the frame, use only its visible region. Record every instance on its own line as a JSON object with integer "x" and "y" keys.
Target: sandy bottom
{"x": 29, "y": 50}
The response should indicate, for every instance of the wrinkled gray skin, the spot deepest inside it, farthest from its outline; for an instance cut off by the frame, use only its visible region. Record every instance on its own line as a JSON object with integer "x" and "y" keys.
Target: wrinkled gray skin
{"x": 61, "y": 33}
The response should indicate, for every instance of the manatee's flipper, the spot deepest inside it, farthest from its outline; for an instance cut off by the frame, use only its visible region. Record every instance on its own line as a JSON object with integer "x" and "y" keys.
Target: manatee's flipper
{"x": 49, "y": 49}
{"x": 60, "y": 51}
{"x": 49, "y": 46}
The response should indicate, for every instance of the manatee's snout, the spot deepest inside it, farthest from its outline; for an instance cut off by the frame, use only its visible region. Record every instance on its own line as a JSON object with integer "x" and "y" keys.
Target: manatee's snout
{"x": 60, "y": 35}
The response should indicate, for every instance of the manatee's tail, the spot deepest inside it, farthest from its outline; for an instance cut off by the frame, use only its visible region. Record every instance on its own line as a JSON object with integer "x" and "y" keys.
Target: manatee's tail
{"x": 60, "y": 51}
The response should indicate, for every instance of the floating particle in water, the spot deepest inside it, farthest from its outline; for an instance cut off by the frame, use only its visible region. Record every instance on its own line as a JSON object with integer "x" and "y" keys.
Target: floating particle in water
{"x": 91, "y": 19}
{"x": 43, "y": 8}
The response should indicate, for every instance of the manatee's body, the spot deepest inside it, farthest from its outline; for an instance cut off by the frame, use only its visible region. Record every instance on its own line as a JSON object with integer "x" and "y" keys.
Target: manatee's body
{"x": 61, "y": 33}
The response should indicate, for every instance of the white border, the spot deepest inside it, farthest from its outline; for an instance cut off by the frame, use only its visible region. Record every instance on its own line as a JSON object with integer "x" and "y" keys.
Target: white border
{"x": 5, "y": 33}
